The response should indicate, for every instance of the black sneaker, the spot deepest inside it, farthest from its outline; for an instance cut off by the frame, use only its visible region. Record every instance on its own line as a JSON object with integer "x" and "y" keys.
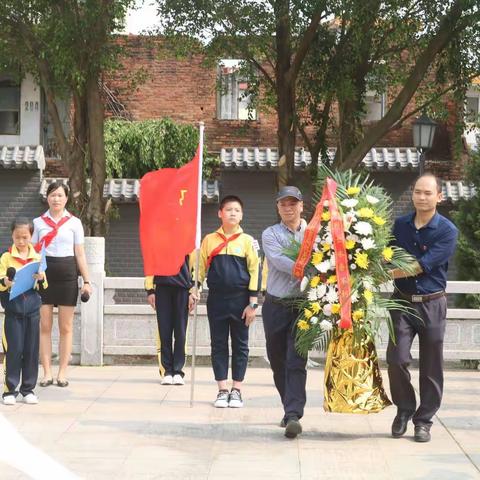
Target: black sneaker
{"x": 400, "y": 423}
{"x": 222, "y": 399}
{"x": 235, "y": 399}
{"x": 293, "y": 427}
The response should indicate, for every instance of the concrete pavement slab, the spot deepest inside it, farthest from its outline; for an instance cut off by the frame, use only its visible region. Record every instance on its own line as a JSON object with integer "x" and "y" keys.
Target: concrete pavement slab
{"x": 119, "y": 422}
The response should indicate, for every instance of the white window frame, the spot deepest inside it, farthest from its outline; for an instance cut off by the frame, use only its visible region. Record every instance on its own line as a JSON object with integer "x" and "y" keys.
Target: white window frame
{"x": 13, "y": 84}
{"x": 472, "y": 92}
{"x": 229, "y": 96}
{"x": 381, "y": 100}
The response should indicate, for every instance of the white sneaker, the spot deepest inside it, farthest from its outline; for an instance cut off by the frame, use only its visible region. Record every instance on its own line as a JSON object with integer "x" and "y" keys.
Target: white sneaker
{"x": 178, "y": 380}
{"x": 222, "y": 399}
{"x": 31, "y": 399}
{"x": 235, "y": 399}
{"x": 167, "y": 380}
{"x": 9, "y": 400}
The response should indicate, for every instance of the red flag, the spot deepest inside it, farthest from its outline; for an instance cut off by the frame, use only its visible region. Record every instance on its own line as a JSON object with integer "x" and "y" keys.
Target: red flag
{"x": 169, "y": 203}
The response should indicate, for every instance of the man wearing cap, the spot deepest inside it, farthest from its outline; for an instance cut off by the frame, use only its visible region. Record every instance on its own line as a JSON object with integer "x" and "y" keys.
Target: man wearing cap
{"x": 289, "y": 368}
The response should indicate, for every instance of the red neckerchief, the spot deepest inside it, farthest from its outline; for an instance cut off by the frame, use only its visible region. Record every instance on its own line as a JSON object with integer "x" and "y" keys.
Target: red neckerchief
{"x": 220, "y": 247}
{"x": 47, "y": 239}
{"x": 22, "y": 261}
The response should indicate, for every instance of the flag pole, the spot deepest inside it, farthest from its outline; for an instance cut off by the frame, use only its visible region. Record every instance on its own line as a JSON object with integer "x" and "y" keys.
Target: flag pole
{"x": 197, "y": 262}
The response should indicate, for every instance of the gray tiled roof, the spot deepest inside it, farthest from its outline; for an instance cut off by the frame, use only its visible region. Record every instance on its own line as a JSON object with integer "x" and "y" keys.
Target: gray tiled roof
{"x": 453, "y": 191}
{"x": 267, "y": 158}
{"x": 126, "y": 190}
{"x": 21, "y": 156}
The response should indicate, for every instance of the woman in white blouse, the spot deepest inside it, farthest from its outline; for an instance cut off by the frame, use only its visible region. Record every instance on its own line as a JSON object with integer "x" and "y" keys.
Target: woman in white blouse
{"x": 61, "y": 234}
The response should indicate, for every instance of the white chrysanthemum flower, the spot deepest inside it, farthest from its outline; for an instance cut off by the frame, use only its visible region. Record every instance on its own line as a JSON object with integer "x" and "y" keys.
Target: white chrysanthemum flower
{"x": 363, "y": 228}
{"x": 350, "y": 257}
{"x": 303, "y": 284}
{"x": 367, "y": 283}
{"x": 326, "y": 325}
{"x": 312, "y": 295}
{"x": 368, "y": 243}
{"x": 331, "y": 296}
{"x": 353, "y": 266}
{"x": 332, "y": 260}
{"x": 321, "y": 291}
{"x": 371, "y": 199}
{"x": 314, "y": 320}
{"x": 318, "y": 239}
{"x": 355, "y": 238}
{"x": 327, "y": 310}
{"x": 323, "y": 267}
{"x": 349, "y": 202}
{"x": 354, "y": 296}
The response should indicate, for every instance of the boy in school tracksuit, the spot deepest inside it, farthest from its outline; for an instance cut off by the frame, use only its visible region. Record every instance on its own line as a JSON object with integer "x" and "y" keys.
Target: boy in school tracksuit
{"x": 21, "y": 334}
{"x": 169, "y": 296}
{"x": 229, "y": 260}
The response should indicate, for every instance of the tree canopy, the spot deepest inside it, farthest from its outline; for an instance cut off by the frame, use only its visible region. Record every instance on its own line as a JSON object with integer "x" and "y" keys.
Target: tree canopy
{"x": 315, "y": 60}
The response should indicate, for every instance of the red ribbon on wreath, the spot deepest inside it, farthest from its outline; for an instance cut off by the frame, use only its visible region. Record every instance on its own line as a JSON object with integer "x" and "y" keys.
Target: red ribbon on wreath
{"x": 341, "y": 258}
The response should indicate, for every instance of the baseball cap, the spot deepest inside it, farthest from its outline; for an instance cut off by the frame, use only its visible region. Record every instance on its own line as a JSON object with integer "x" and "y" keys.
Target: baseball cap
{"x": 289, "y": 191}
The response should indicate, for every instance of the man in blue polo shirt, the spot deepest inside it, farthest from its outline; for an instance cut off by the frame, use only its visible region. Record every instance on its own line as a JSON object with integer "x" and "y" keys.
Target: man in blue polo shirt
{"x": 431, "y": 239}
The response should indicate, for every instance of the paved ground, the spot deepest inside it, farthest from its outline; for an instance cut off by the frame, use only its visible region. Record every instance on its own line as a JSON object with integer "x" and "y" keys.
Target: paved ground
{"x": 120, "y": 423}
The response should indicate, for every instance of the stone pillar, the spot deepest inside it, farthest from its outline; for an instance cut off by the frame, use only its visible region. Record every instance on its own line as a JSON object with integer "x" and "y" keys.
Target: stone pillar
{"x": 91, "y": 352}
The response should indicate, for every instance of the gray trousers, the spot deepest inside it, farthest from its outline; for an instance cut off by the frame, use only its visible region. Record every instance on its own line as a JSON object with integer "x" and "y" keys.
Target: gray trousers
{"x": 431, "y": 332}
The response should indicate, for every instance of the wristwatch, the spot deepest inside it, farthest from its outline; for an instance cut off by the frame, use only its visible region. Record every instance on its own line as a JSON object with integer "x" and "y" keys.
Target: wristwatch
{"x": 253, "y": 305}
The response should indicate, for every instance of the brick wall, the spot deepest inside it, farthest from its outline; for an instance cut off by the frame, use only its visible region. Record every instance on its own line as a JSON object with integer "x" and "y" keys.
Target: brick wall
{"x": 19, "y": 197}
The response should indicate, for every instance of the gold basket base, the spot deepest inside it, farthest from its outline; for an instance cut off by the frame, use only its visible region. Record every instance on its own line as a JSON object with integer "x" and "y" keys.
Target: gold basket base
{"x": 353, "y": 381}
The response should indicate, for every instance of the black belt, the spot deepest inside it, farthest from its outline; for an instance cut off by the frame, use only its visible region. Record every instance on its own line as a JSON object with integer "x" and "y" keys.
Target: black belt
{"x": 281, "y": 300}
{"x": 419, "y": 298}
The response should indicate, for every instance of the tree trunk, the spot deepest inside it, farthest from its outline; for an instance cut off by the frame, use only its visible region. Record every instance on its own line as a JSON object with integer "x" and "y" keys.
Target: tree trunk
{"x": 96, "y": 149}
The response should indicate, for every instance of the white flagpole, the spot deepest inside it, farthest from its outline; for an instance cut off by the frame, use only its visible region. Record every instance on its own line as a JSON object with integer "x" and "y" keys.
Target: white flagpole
{"x": 197, "y": 261}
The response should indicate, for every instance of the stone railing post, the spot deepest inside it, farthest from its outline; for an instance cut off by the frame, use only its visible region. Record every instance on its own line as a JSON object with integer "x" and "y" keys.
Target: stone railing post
{"x": 91, "y": 352}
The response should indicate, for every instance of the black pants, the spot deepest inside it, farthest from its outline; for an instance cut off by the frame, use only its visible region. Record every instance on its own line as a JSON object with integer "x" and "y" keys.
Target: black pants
{"x": 224, "y": 311}
{"x": 21, "y": 344}
{"x": 289, "y": 368}
{"x": 172, "y": 317}
{"x": 430, "y": 331}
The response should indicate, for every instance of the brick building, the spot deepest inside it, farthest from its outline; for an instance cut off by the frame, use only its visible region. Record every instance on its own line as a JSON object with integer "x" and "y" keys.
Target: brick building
{"x": 185, "y": 90}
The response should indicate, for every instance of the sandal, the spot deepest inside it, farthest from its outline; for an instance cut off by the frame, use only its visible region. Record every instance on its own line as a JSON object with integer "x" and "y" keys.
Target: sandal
{"x": 62, "y": 383}
{"x": 46, "y": 383}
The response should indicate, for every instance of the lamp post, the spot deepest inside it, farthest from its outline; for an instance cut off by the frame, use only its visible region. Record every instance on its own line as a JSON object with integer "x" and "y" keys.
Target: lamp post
{"x": 423, "y": 133}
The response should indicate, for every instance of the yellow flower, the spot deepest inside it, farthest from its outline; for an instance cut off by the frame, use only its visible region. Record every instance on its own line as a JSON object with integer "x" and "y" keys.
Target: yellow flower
{"x": 335, "y": 308}
{"x": 332, "y": 279}
{"x": 365, "y": 212}
{"x": 361, "y": 259}
{"x": 314, "y": 281}
{"x": 387, "y": 254}
{"x": 353, "y": 191}
{"x": 325, "y": 247}
{"x": 349, "y": 244}
{"x": 315, "y": 306}
{"x": 307, "y": 313}
{"x": 303, "y": 325}
{"x": 317, "y": 257}
{"x": 379, "y": 220}
{"x": 326, "y": 216}
{"x": 357, "y": 315}
{"x": 368, "y": 295}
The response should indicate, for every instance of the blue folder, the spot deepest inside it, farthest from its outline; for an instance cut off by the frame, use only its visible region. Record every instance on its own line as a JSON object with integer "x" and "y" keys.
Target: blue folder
{"x": 23, "y": 280}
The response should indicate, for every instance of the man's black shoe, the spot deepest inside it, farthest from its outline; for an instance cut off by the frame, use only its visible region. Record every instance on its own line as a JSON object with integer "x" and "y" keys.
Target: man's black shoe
{"x": 293, "y": 427}
{"x": 400, "y": 423}
{"x": 422, "y": 433}
{"x": 283, "y": 422}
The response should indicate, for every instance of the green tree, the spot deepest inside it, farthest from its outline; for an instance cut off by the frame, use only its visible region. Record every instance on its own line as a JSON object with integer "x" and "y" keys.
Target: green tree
{"x": 402, "y": 49}
{"x": 67, "y": 45}
{"x": 316, "y": 59}
{"x": 467, "y": 219}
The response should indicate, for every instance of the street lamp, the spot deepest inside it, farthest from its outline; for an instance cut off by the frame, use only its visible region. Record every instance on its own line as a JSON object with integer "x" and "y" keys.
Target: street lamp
{"x": 423, "y": 133}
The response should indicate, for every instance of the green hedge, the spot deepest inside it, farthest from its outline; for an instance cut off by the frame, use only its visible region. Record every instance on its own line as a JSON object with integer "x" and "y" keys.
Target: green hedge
{"x": 135, "y": 148}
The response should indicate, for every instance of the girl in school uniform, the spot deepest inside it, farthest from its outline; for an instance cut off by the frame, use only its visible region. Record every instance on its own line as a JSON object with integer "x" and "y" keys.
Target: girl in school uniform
{"x": 63, "y": 238}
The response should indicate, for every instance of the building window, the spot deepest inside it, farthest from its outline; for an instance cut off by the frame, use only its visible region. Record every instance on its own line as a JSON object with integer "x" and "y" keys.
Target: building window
{"x": 374, "y": 106}
{"x": 472, "y": 106}
{"x": 9, "y": 106}
{"x": 234, "y": 102}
